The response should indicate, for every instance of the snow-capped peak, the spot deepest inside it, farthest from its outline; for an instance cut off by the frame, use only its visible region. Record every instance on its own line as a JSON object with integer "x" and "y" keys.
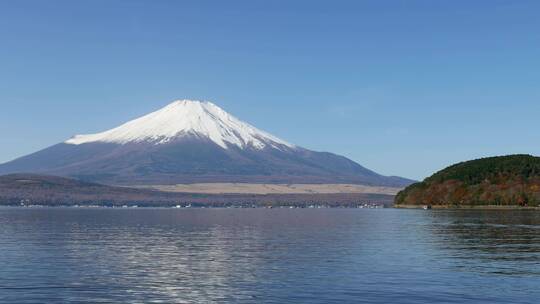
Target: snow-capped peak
{"x": 186, "y": 118}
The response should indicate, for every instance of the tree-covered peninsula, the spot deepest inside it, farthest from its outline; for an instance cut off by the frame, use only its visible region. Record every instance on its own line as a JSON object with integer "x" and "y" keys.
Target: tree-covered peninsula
{"x": 512, "y": 180}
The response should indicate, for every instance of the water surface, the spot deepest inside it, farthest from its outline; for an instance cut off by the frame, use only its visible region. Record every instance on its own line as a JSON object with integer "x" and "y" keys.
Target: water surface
{"x": 268, "y": 256}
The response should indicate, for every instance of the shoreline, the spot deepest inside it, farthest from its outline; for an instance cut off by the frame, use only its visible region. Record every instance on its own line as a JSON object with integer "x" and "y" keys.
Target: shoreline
{"x": 469, "y": 207}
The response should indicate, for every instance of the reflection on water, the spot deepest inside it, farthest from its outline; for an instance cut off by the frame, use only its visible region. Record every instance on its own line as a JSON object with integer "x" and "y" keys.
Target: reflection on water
{"x": 268, "y": 256}
{"x": 504, "y": 242}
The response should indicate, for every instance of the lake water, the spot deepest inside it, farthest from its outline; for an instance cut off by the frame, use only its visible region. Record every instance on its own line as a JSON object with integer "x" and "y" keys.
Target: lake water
{"x": 80, "y": 255}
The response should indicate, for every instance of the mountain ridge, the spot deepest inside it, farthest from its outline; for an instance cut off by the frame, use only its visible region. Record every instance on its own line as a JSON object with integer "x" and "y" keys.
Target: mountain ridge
{"x": 192, "y": 142}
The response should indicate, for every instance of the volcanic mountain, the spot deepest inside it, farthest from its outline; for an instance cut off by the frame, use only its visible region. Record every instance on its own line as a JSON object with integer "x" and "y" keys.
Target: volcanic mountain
{"x": 192, "y": 141}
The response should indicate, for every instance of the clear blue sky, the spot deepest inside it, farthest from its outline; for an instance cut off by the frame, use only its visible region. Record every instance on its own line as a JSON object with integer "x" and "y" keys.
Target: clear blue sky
{"x": 402, "y": 87}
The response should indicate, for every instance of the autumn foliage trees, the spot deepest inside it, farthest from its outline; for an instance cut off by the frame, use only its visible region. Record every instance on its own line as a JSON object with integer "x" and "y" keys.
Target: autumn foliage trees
{"x": 502, "y": 180}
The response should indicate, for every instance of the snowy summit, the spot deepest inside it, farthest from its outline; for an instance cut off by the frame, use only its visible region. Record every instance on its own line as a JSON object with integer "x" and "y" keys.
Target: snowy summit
{"x": 184, "y": 118}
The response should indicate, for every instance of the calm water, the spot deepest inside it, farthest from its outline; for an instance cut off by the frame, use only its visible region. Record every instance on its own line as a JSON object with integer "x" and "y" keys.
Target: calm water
{"x": 268, "y": 256}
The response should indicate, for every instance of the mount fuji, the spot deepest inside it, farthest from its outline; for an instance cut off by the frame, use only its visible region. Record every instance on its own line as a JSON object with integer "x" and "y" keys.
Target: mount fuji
{"x": 192, "y": 141}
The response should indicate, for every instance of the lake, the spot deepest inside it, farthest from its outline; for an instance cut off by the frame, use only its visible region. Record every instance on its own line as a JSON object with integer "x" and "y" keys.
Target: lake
{"x": 81, "y": 255}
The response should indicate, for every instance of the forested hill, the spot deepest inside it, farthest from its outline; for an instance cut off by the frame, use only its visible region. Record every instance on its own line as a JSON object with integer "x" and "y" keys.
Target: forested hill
{"x": 501, "y": 180}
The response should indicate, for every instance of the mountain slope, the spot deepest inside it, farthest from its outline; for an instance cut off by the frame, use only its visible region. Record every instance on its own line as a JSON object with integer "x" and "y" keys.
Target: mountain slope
{"x": 192, "y": 141}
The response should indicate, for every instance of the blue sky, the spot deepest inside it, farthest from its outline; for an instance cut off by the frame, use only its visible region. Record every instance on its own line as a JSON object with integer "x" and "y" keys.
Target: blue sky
{"x": 402, "y": 87}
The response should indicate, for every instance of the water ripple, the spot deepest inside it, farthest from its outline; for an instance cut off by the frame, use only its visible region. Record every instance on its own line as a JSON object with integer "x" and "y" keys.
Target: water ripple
{"x": 53, "y": 255}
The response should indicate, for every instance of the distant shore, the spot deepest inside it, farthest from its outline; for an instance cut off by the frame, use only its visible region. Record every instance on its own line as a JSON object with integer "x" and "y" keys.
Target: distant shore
{"x": 476, "y": 207}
